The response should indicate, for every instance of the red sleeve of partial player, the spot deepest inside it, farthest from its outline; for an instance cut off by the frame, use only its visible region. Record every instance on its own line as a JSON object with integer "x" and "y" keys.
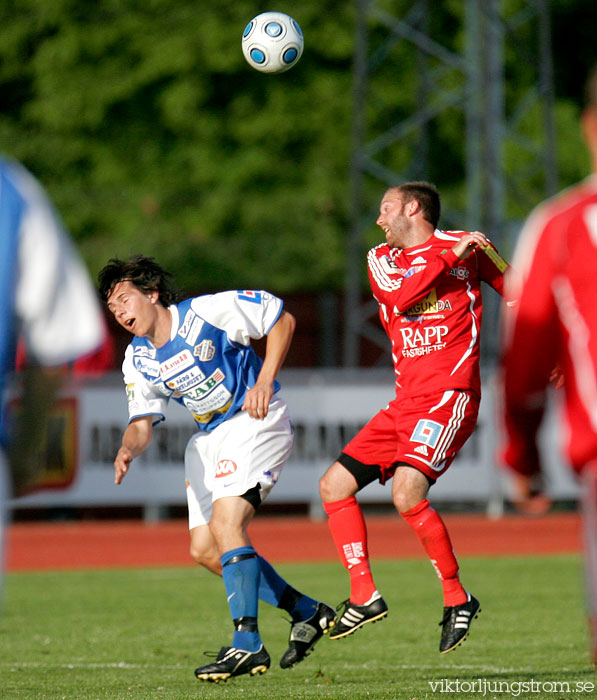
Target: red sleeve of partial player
{"x": 529, "y": 351}
{"x": 492, "y": 267}
{"x": 394, "y": 289}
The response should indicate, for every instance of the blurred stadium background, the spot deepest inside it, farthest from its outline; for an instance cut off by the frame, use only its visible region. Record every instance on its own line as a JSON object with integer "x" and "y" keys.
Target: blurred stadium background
{"x": 154, "y": 136}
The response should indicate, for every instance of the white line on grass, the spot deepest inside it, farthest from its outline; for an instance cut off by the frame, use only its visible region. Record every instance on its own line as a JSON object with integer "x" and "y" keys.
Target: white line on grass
{"x": 477, "y": 668}
{"x": 114, "y": 664}
{"x": 405, "y": 667}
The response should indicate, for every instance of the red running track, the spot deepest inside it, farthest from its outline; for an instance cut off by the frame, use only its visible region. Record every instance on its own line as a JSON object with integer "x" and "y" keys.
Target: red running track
{"x": 38, "y": 546}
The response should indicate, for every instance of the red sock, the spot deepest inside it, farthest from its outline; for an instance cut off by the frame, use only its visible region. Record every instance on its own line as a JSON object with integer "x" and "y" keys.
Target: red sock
{"x": 349, "y": 533}
{"x": 434, "y": 537}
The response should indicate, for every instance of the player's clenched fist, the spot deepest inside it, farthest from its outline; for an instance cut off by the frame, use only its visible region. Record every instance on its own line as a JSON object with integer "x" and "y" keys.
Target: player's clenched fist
{"x": 469, "y": 242}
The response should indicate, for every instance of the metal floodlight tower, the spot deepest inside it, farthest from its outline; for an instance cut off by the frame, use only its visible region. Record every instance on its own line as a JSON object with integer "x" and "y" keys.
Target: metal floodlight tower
{"x": 470, "y": 79}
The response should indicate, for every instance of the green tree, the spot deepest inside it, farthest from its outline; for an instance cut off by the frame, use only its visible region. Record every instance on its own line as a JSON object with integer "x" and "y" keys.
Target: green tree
{"x": 153, "y": 135}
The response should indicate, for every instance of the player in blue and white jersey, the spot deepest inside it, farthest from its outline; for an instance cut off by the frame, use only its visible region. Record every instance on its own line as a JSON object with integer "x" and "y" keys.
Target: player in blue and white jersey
{"x": 48, "y": 301}
{"x": 198, "y": 352}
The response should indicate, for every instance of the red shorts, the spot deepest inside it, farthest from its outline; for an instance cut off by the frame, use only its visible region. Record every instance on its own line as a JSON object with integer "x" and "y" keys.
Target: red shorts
{"x": 426, "y": 432}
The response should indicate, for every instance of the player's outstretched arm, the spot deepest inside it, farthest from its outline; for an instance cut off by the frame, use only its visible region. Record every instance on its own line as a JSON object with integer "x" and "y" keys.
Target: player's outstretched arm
{"x": 279, "y": 338}
{"x": 136, "y": 440}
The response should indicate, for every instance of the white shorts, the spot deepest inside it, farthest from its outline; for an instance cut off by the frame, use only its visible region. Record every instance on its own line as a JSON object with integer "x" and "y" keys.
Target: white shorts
{"x": 239, "y": 454}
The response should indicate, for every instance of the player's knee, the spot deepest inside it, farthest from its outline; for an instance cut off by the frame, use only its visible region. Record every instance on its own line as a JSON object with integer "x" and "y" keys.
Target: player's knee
{"x": 337, "y": 483}
{"x": 327, "y": 488}
{"x": 410, "y": 487}
{"x": 406, "y": 500}
{"x": 402, "y": 501}
{"x": 197, "y": 552}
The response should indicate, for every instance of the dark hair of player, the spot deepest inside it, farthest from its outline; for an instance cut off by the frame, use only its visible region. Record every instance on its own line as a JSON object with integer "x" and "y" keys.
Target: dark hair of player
{"x": 426, "y": 195}
{"x": 143, "y": 272}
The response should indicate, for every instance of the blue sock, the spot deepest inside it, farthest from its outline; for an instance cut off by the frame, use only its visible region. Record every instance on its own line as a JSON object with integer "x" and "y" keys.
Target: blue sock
{"x": 271, "y": 584}
{"x": 304, "y": 609}
{"x": 241, "y": 573}
{"x": 273, "y": 589}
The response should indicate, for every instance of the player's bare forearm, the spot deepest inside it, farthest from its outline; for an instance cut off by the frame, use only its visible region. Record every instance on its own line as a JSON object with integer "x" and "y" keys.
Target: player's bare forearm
{"x": 278, "y": 344}
{"x": 279, "y": 338}
{"x": 135, "y": 441}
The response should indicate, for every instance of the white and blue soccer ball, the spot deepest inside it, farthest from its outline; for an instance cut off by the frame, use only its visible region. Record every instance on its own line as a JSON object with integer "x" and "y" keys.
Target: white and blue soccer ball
{"x": 272, "y": 42}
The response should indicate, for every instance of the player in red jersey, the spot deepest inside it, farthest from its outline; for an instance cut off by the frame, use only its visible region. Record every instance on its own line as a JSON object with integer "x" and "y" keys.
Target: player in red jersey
{"x": 428, "y": 286}
{"x": 555, "y": 323}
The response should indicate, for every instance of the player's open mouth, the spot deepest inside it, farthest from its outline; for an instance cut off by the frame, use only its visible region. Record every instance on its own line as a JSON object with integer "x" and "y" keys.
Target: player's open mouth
{"x": 129, "y": 323}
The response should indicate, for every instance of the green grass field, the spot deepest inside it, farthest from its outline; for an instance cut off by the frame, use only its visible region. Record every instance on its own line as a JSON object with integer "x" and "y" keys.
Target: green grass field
{"x": 139, "y": 634}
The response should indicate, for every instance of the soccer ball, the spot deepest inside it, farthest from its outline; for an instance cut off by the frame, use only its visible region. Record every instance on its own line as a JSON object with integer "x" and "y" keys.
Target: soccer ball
{"x": 272, "y": 42}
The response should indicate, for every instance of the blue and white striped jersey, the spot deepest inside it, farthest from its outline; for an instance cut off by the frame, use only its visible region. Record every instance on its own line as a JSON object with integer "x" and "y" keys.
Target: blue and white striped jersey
{"x": 208, "y": 364}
